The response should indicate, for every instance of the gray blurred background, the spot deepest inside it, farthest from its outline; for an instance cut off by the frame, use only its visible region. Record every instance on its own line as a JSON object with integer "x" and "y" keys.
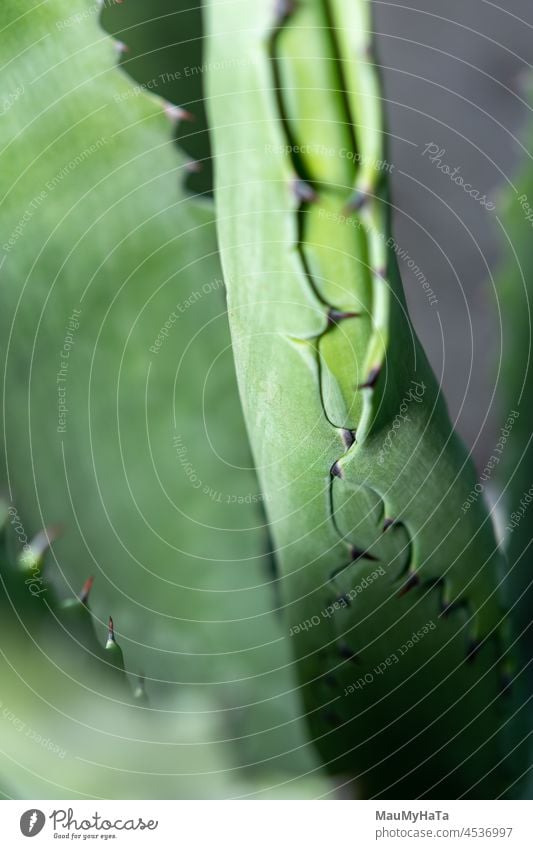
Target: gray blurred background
{"x": 455, "y": 74}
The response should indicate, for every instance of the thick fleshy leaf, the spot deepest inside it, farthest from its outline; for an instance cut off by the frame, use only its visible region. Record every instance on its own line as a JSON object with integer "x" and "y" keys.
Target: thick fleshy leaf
{"x": 121, "y": 416}
{"x": 393, "y": 594}
{"x": 163, "y": 50}
{"x": 510, "y": 466}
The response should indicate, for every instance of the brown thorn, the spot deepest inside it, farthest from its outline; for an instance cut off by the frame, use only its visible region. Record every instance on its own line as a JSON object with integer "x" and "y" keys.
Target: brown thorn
{"x": 448, "y": 608}
{"x": 412, "y": 581}
{"x": 334, "y": 316}
{"x": 111, "y": 632}
{"x": 372, "y": 378}
{"x": 358, "y": 200}
{"x": 360, "y": 554}
{"x": 344, "y": 598}
{"x": 86, "y": 590}
{"x": 283, "y": 9}
{"x": 176, "y": 113}
{"x": 43, "y": 540}
{"x": 472, "y": 650}
{"x": 346, "y": 652}
{"x": 336, "y": 470}
{"x": 348, "y": 437}
{"x": 303, "y": 192}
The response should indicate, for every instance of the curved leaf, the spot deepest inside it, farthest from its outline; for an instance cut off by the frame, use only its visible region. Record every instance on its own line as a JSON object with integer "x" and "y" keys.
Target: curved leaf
{"x": 392, "y": 592}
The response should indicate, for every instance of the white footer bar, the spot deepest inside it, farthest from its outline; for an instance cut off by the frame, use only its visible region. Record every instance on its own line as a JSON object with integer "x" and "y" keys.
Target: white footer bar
{"x": 267, "y": 824}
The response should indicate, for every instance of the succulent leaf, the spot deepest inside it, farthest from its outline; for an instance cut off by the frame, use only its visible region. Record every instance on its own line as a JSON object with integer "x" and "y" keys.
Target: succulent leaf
{"x": 157, "y": 499}
{"x": 71, "y": 724}
{"x": 392, "y": 593}
{"x": 163, "y": 52}
{"x": 514, "y": 452}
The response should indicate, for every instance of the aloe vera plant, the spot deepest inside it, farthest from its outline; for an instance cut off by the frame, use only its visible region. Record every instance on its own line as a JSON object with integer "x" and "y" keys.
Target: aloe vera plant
{"x": 391, "y": 592}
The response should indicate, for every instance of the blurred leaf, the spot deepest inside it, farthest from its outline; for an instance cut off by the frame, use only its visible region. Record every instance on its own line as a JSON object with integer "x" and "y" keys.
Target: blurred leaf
{"x": 71, "y": 723}
{"x": 135, "y": 445}
{"x": 163, "y": 51}
{"x": 515, "y": 372}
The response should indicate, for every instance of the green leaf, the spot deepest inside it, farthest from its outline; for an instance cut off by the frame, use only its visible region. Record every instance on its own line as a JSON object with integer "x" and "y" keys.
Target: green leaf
{"x": 73, "y": 724}
{"x": 512, "y": 459}
{"x": 163, "y": 50}
{"x": 392, "y": 592}
{"x": 112, "y": 307}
